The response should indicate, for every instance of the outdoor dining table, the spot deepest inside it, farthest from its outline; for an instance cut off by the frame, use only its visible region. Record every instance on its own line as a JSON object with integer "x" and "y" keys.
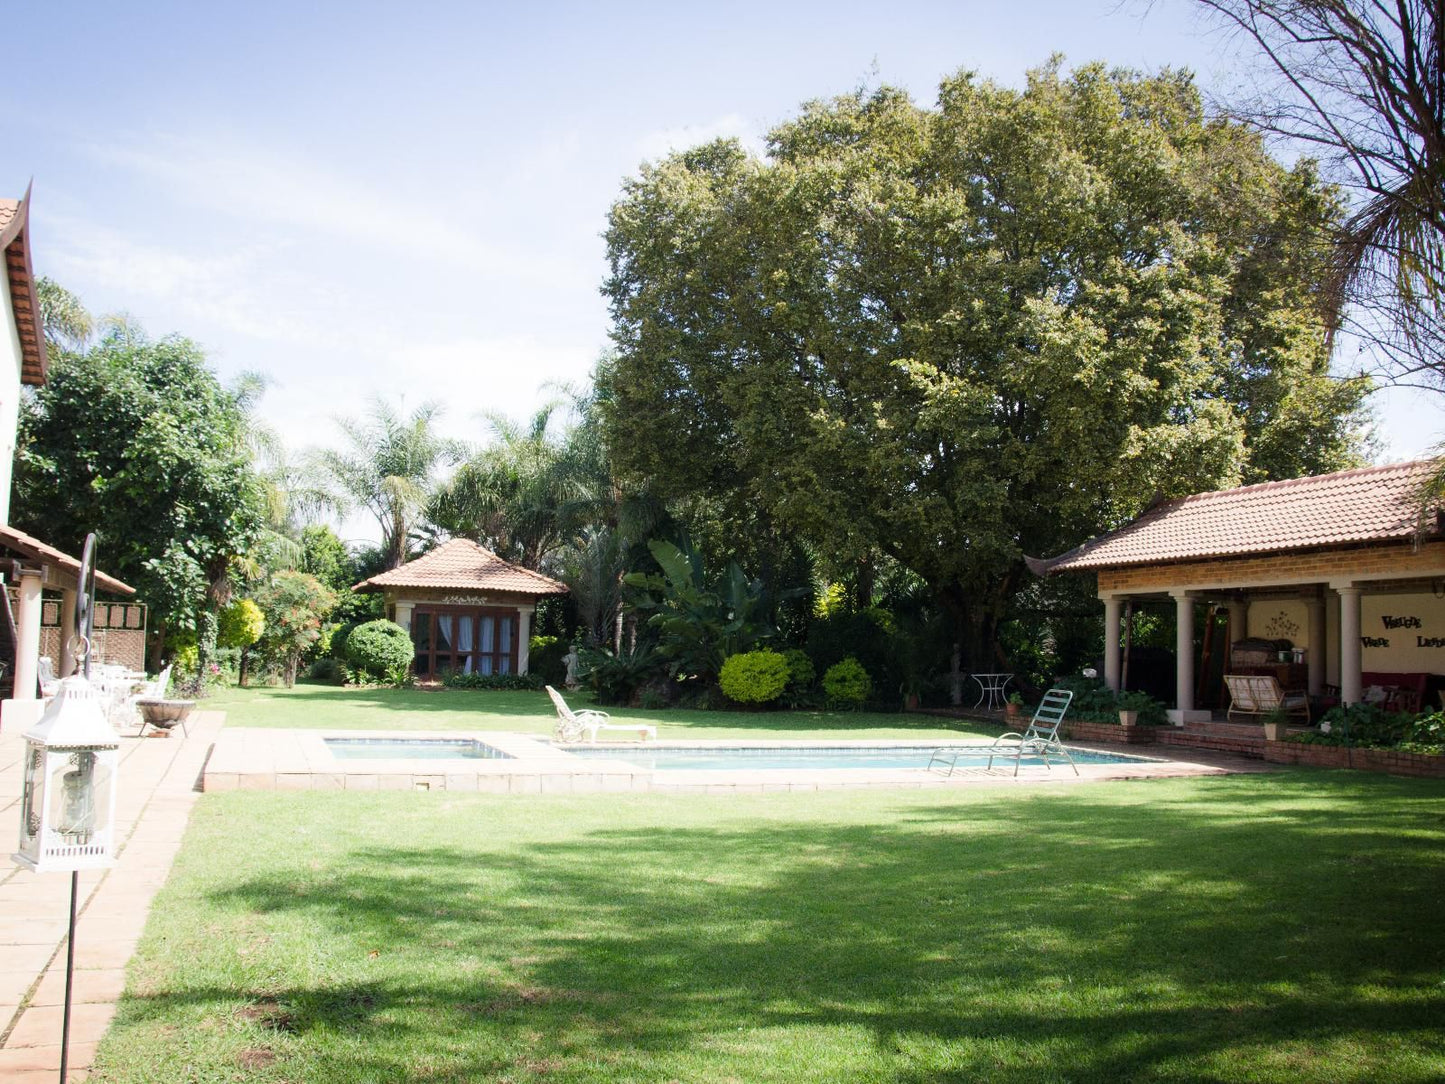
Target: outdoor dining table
{"x": 991, "y": 689}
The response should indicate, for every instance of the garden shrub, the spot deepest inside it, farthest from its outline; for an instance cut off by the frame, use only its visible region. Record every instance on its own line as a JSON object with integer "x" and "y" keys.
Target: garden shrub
{"x": 866, "y": 637}
{"x": 801, "y": 671}
{"x": 496, "y": 682}
{"x": 1095, "y": 702}
{"x": 325, "y": 669}
{"x": 847, "y": 684}
{"x": 754, "y": 677}
{"x": 546, "y": 657}
{"x": 380, "y": 647}
{"x": 1364, "y": 726}
{"x": 615, "y": 679}
{"x": 338, "y": 639}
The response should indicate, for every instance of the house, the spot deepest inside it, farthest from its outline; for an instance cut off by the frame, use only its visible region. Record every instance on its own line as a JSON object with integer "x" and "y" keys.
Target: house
{"x": 28, "y": 565}
{"x": 1343, "y": 566}
{"x": 468, "y": 611}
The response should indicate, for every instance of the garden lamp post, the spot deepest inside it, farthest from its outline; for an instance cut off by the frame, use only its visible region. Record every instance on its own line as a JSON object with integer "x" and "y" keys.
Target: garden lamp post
{"x": 67, "y": 803}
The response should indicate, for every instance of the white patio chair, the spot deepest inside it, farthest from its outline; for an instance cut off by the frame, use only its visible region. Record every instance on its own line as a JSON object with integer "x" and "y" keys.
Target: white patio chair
{"x": 49, "y": 683}
{"x": 571, "y": 725}
{"x": 1040, "y": 738}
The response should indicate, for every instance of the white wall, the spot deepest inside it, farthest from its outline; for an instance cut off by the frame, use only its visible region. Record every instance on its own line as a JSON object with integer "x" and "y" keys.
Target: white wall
{"x": 9, "y": 394}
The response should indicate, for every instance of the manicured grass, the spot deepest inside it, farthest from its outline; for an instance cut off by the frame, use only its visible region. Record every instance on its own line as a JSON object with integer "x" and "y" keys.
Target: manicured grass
{"x": 1251, "y": 928}
{"x": 336, "y": 708}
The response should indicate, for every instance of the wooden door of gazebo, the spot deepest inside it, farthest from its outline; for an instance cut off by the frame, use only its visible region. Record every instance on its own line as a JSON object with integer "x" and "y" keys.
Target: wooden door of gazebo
{"x": 463, "y": 639}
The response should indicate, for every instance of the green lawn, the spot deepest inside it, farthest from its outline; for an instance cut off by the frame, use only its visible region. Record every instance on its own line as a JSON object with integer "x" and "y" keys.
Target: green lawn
{"x": 334, "y": 707}
{"x": 1252, "y": 928}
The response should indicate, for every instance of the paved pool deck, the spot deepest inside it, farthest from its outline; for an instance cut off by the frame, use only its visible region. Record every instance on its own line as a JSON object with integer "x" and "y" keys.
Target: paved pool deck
{"x": 267, "y": 759}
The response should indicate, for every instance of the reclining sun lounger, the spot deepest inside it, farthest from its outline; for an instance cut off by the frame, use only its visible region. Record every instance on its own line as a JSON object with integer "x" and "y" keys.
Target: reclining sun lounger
{"x": 571, "y": 725}
{"x": 1041, "y": 738}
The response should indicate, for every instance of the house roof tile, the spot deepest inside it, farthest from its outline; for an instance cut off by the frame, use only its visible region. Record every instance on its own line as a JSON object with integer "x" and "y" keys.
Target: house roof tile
{"x": 24, "y": 303}
{"x": 36, "y": 550}
{"x": 1350, "y": 507}
{"x": 462, "y": 563}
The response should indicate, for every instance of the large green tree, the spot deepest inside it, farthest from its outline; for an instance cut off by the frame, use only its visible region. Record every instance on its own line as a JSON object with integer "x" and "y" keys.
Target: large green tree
{"x": 137, "y": 440}
{"x": 960, "y": 334}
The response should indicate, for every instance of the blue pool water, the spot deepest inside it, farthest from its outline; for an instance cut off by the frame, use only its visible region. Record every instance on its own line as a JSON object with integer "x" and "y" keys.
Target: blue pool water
{"x": 412, "y": 749}
{"x": 663, "y": 758}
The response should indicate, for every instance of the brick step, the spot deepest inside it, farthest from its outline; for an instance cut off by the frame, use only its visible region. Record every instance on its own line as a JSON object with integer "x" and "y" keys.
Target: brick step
{"x": 1192, "y": 738}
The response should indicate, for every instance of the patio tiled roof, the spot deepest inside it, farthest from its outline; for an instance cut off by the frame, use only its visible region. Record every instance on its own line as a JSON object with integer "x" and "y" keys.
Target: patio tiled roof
{"x": 1371, "y": 504}
{"x": 462, "y": 563}
{"x": 36, "y": 550}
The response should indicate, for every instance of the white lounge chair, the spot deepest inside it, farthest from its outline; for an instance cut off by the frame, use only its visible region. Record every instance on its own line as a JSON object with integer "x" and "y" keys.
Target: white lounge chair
{"x": 49, "y": 683}
{"x": 1260, "y": 694}
{"x": 1040, "y": 738}
{"x": 571, "y": 725}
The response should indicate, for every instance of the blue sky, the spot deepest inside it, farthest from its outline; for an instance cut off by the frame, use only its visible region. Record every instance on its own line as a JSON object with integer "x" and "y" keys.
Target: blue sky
{"x": 407, "y": 199}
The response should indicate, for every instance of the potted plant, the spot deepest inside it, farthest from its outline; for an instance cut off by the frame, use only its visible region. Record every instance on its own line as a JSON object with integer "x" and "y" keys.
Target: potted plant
{"x": 1014, "y": 706}
{"x": 1275, "y": 725}
{"x": 1128, "y": 717}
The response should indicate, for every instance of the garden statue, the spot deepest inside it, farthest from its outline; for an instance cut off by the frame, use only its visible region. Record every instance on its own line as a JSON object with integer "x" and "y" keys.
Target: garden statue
{"x": 571, "y": 660}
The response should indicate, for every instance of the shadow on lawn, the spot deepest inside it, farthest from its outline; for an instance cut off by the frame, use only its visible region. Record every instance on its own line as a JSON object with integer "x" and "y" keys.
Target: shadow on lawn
{"x": 1027, "y": 937}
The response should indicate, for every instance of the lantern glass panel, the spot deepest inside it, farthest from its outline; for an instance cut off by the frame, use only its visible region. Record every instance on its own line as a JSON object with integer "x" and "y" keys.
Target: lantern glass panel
{"x": 79, "y": 795}
{"x": 33, "y": 797}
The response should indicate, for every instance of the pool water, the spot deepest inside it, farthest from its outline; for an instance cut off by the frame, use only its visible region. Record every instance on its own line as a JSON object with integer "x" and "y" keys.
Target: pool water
{"x": 413, "y": 749}
{"x": 664, "y": 758}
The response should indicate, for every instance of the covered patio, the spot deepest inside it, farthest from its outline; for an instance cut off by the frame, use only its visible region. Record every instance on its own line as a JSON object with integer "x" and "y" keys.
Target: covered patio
{"x": 1343, "y": 566}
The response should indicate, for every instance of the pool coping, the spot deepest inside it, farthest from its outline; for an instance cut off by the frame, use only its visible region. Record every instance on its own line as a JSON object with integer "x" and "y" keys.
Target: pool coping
{"x": 246, "y": 758}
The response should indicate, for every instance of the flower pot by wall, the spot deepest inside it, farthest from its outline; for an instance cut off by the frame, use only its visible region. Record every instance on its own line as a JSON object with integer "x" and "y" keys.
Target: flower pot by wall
{"x": 1275, "y": 731}
{"x": 1128, "y": 718}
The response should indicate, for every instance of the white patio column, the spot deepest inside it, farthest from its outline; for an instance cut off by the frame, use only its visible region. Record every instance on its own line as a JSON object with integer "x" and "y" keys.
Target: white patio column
{"x": 1349, "y": 642}
{"x": 27, "y": 631}
{"x": 1113, "y": 607}
{"x": 1315, "y": 655}
{"x": 1184, "y": 653}
{"x": 524, "y": 636}
{"x": 67, "y": 633}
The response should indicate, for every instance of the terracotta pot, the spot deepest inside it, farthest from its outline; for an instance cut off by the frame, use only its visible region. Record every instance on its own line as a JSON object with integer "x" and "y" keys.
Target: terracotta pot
{"x": 1128, "y": 718}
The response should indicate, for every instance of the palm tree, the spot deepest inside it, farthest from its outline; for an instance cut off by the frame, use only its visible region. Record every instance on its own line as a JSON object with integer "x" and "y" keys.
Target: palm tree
{"x": 388, "y": 468}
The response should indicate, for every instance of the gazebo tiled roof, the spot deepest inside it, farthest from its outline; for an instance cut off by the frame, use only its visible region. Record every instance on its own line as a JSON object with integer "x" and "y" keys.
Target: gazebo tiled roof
{"x": 1371, "y": 504}
{"x": 463, "y": 564}
{"x": 20, "y": 280}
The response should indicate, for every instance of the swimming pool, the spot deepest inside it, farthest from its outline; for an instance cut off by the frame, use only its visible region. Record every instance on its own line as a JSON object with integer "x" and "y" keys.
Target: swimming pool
{"x": 413, "y": 749}
{"x": 682, "y": 758}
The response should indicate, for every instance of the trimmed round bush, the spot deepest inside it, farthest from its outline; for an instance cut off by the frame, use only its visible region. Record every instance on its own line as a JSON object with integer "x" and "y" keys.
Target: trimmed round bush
{"x": 379, "y": 647}
{"x": 754, "y": 677}
{"x": 801, "y": 671}
{"x": 337, "y": 645}
{"x": 847, "y": 684}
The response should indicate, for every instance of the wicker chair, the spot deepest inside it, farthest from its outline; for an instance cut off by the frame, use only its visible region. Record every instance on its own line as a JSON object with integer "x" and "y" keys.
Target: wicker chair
{"x": 1260, "y": 694}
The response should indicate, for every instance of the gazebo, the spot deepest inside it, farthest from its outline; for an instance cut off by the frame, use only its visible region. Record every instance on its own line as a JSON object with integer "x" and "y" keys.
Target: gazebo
{"x": 1344, "y": 566}
{"x": 468, "y": 611}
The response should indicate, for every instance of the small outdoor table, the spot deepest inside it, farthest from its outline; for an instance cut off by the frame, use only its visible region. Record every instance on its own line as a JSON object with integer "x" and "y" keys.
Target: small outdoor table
{"x": 991, "y": 689}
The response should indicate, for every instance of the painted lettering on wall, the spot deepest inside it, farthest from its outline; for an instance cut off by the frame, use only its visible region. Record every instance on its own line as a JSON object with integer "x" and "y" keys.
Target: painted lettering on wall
{"x": 1377, "y": 641}
{"x": 1430, "y": 641}
{"x": 1401, "y": 622}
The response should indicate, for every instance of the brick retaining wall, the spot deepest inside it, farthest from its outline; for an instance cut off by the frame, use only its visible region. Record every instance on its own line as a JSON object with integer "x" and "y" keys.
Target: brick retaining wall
{"x": 1110, "y": 732}
{"x": 1391, "y": 761}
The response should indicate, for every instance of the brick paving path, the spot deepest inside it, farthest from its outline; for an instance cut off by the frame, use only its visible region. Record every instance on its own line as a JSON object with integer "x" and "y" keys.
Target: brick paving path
{"x": 157, "y": 781}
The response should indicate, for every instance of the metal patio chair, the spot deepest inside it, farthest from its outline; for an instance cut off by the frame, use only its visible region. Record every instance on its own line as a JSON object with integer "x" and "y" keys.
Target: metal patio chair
{"x": 571, "y": 725}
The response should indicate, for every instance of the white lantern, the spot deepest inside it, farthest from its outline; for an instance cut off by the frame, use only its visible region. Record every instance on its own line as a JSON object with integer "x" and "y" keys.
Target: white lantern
{"x": 67, "y": 807}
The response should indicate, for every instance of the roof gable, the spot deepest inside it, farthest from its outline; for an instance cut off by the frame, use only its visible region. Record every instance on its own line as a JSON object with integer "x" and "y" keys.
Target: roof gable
{"x": 463, "y": 564}
{"x": 1371, "y": 504}
{"x": 24, "y": 302}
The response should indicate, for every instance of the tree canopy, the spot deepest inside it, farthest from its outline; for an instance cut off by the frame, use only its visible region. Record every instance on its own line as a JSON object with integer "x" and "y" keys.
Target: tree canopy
{"x": 138, "y": 441}
{"x": 964, "y": 333}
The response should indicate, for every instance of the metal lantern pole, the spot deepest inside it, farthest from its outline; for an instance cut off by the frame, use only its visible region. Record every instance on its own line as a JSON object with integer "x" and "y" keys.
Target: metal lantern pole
{"x": 67, "y": 807}
{"x": 84, "y": 631}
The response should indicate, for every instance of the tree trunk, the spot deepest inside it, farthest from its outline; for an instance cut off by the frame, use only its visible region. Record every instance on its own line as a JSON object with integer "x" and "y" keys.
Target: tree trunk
{"x": 245, "y": 661}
